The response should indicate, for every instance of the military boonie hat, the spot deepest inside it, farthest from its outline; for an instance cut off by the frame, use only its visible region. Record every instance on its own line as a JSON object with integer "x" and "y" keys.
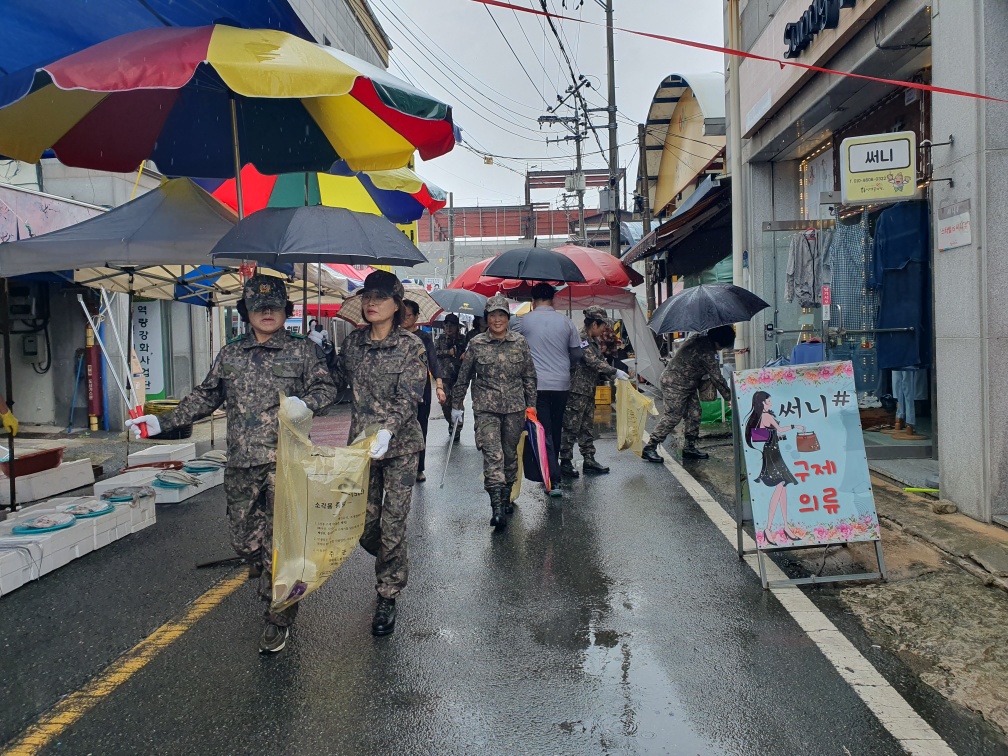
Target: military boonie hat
{"x": 383, "y": 282}
{"x": 262, "y": 291}
{"x": 497, "y": 302}
{"x": 451, "y": 317}
{"x": 598, "y": 314}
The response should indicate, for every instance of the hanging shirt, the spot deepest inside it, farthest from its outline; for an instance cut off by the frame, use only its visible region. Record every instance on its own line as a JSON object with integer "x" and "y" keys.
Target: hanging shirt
{"x": 901, "y": 274}
{"x": 847, "y": 260}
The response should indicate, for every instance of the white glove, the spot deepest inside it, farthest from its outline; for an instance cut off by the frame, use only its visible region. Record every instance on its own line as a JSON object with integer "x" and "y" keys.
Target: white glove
{"x": 296, "y": 408}
{"x": 153, "y": 426}
{"x": 457, "y": 415}
{"x": 380, "y": 445}
{"x": 622, "y": 375}
{"x": 317, "y": 337}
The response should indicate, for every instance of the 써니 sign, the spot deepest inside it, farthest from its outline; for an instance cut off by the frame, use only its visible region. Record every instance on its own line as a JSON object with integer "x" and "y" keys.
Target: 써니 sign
{"x": 805, "y": 456}
{"x": 878, "y": 168}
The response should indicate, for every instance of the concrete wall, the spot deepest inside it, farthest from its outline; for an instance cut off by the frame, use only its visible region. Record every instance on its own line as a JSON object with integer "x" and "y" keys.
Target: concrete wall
{"x": 971, "y": 323}
{"x": 336, "y": 21}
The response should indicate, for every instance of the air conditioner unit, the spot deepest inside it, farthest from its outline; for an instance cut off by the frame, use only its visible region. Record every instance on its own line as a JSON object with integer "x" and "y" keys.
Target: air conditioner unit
{"x": 575, "y": 182}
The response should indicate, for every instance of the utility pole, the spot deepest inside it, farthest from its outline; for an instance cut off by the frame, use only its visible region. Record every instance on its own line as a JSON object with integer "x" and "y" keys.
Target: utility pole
{"x": 577, "y": 136}
{"x": 579, "y": 184}
{"x": 451, "y": 236}
{"x": 735, "y": 169}
{"x": 614, "y": 221}
{"x": 645, "y": 211}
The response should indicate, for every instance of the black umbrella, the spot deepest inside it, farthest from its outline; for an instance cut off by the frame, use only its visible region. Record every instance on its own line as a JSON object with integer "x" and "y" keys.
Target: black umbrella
{"x": 317, "y": 234}
{"x": 704, "y": 307}
{"x": 535, "y": 264}
{"x": 461, "y": 301}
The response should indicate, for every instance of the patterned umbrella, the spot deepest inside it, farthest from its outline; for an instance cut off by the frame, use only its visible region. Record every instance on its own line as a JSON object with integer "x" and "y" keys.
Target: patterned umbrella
{"x": 198, "y": 101}
{"x": 400, "y": 195}
{"x": 352, "y": 309}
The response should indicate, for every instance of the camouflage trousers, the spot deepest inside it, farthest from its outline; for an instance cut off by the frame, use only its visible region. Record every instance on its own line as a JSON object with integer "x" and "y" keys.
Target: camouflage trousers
{"x": 390, "y": 493}
{"x": 680, "y": 404}
{"x": 578, "y": 425}
{"x": 497, "y": 437}
{"x": 249, "y": 492}
{"x": 447, "y": 407}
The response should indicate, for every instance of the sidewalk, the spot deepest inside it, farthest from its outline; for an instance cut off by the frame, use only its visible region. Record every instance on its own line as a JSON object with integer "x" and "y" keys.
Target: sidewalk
{"x": 943, "y": 610}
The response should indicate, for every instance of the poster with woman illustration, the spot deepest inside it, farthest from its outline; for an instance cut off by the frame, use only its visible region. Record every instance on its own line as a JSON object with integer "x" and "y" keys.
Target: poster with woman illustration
{"x": 805, "y": 456}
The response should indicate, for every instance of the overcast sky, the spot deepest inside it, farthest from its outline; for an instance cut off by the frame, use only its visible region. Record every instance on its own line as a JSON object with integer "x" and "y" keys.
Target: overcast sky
{"x": 453, "y": 50}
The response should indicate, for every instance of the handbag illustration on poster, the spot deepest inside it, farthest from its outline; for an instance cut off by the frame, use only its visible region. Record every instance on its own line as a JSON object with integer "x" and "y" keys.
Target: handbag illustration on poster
{"x": 807, "y": 442}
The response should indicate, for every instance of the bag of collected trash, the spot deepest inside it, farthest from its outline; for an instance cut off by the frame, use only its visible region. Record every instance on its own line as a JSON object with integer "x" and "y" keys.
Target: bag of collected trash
{"x": 632, "y": 409}
{"x": 318, "y": 511}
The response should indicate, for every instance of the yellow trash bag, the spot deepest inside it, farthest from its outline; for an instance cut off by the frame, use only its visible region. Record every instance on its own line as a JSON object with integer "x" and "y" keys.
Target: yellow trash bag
{"x": 318, "y": 512}
{"x": 632, "y": 409}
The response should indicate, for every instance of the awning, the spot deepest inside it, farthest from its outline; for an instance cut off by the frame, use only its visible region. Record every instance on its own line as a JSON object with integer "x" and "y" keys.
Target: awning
{"x": 697, "y": 235}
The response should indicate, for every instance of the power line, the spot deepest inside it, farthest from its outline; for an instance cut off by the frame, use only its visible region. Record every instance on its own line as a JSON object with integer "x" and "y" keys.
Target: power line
{"x": 525, "y": 70}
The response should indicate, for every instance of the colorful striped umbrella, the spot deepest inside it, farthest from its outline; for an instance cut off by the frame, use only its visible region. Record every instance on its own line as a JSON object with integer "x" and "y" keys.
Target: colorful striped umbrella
{"x": 399, "y": 195}
{"x": 201, "y": 101}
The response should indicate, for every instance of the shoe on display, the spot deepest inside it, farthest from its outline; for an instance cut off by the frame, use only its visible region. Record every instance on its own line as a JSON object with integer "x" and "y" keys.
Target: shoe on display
{"x": 568, "y": 470}
{"x": 591, "y": 467}
{"x": 274, "y": 638}
{"x": 384, "y": 617}
{"x": 650, "y": 454}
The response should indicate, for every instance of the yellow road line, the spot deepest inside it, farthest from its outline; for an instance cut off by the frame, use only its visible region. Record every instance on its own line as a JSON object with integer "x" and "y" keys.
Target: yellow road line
{"x": 70, "y": 709}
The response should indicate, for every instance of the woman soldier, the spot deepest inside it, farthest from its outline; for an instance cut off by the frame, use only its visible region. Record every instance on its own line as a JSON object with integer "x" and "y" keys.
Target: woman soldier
{"x": 499, "y": 363}
{"x": 385, "y": 367}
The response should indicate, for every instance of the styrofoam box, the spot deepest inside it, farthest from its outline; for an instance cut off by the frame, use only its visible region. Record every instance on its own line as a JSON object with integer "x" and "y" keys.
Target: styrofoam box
{"x": 142, "y": 515}
{"x": 131, "y": 478}
{"x": 104, "y": 529}
{"x": 17, "y": 568}
{"x": 177, "y": 495}
{"x": 163, "y": 453}
{"x": 42, "y": 485}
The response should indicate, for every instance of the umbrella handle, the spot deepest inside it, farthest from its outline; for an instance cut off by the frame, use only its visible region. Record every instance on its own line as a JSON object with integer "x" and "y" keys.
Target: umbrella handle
{"x": 135, "y": 413}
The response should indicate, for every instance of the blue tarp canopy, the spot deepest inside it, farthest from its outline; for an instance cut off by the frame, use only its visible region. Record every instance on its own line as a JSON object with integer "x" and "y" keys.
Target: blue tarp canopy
{"x": 36, "y": 33}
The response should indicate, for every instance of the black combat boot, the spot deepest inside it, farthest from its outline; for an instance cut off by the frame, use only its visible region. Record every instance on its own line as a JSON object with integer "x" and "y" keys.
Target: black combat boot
{"x": 650, "y": 453}
{"x": 506, "y": 498}
{"x": 591, "y": 467}
{"x": 384, "y": 617}
{"x": 690, "y": 451}
{"x": 498, "y": 497}
{"x": 568, "y": 470}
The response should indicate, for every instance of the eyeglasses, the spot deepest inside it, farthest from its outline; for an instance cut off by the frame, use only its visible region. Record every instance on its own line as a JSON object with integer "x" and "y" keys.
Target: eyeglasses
{"x": 374, "y": 296}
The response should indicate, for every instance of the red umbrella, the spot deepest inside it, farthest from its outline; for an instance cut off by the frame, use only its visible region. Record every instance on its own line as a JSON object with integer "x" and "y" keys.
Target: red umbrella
{"x": 604, "y": 276}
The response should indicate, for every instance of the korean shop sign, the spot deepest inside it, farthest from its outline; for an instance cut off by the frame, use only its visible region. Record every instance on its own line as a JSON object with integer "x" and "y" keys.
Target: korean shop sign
{"x": 804, "y": 456}
{"x": 147, "y": 342}
{"x": 820, "y": 15}
{"x": 878, "y": 168}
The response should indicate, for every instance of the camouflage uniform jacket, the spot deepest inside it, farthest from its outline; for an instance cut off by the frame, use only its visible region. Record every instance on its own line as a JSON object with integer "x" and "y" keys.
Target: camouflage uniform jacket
{"x": 694, "y": 363}
{"x": 450, "y": 364}
{"x": 387, "y": 378}
{"x": 247, "y": 378}
{"x": 497, "y": 367}
{"x": 585, "y": 375}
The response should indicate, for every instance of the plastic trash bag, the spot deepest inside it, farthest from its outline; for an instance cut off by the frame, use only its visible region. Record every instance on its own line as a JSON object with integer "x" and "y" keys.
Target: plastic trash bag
{"x": 318, "y": 512}
{"x": 632, "y": 409}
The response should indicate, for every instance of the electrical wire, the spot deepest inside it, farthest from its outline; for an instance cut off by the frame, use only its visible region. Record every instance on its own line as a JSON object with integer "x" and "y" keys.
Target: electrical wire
{"x": 525, "y": 70}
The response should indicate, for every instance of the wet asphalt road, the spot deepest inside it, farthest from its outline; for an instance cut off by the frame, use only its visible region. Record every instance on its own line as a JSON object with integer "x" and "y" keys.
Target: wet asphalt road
{"x": 614, "y": 620}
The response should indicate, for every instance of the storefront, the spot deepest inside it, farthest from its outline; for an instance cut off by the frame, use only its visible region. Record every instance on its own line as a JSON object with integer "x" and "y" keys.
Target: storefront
{"x": 846, "y": 266}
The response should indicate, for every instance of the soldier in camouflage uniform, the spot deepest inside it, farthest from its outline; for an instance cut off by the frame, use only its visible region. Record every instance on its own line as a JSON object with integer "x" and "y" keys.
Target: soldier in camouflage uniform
{"x": 579, "y": 416}
{"x": 694, "y": 363}
{"x": 450, "y": 346}
{"x": 386, "y": 369}
{"x": 247, "y": 378}
{"x": 499, "y": 364}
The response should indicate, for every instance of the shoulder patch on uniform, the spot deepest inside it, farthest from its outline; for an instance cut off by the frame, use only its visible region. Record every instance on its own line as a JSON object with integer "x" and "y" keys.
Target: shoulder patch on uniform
{"x": 296, "y": 335}
{"x": 584, "y": 343}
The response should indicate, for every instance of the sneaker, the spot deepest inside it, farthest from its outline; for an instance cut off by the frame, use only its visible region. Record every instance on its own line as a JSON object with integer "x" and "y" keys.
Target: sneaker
{"x": 274, "y": 638}
{"x": 384, "y": 617}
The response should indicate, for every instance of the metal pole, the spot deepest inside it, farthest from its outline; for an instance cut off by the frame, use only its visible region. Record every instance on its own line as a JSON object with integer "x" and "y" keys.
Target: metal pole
{"x": 735, "y": 162}
{"x": 451, "y": 236}
{"x": 579, "y": 176}
{"x": 209, "y": 320}
{"x": 237, "y": 157}
{"x": 5, "y": 305}
{"x": 645, "y": 189}
{"x": 614, "y": 220}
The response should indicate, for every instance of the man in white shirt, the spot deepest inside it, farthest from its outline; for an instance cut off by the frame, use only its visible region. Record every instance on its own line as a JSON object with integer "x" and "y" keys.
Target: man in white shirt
{"x": 556, "y": 349}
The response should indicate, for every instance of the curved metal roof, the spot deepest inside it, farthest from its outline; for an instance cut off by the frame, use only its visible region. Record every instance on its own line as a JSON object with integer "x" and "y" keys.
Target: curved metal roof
{"x": 681, "y": 142}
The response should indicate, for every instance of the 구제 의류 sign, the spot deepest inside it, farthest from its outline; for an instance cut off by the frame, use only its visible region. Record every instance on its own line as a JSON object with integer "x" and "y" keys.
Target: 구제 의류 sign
{"x": 804, "y": 456}
{"x": 878, "y": 168}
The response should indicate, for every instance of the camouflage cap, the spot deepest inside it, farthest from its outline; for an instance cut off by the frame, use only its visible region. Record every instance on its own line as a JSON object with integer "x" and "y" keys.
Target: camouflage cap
{"x": 596, "y": 313}
{"x": 497, "y": 302}
{"x": 385, "y": 283}
{"x": 262, "y": 291}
